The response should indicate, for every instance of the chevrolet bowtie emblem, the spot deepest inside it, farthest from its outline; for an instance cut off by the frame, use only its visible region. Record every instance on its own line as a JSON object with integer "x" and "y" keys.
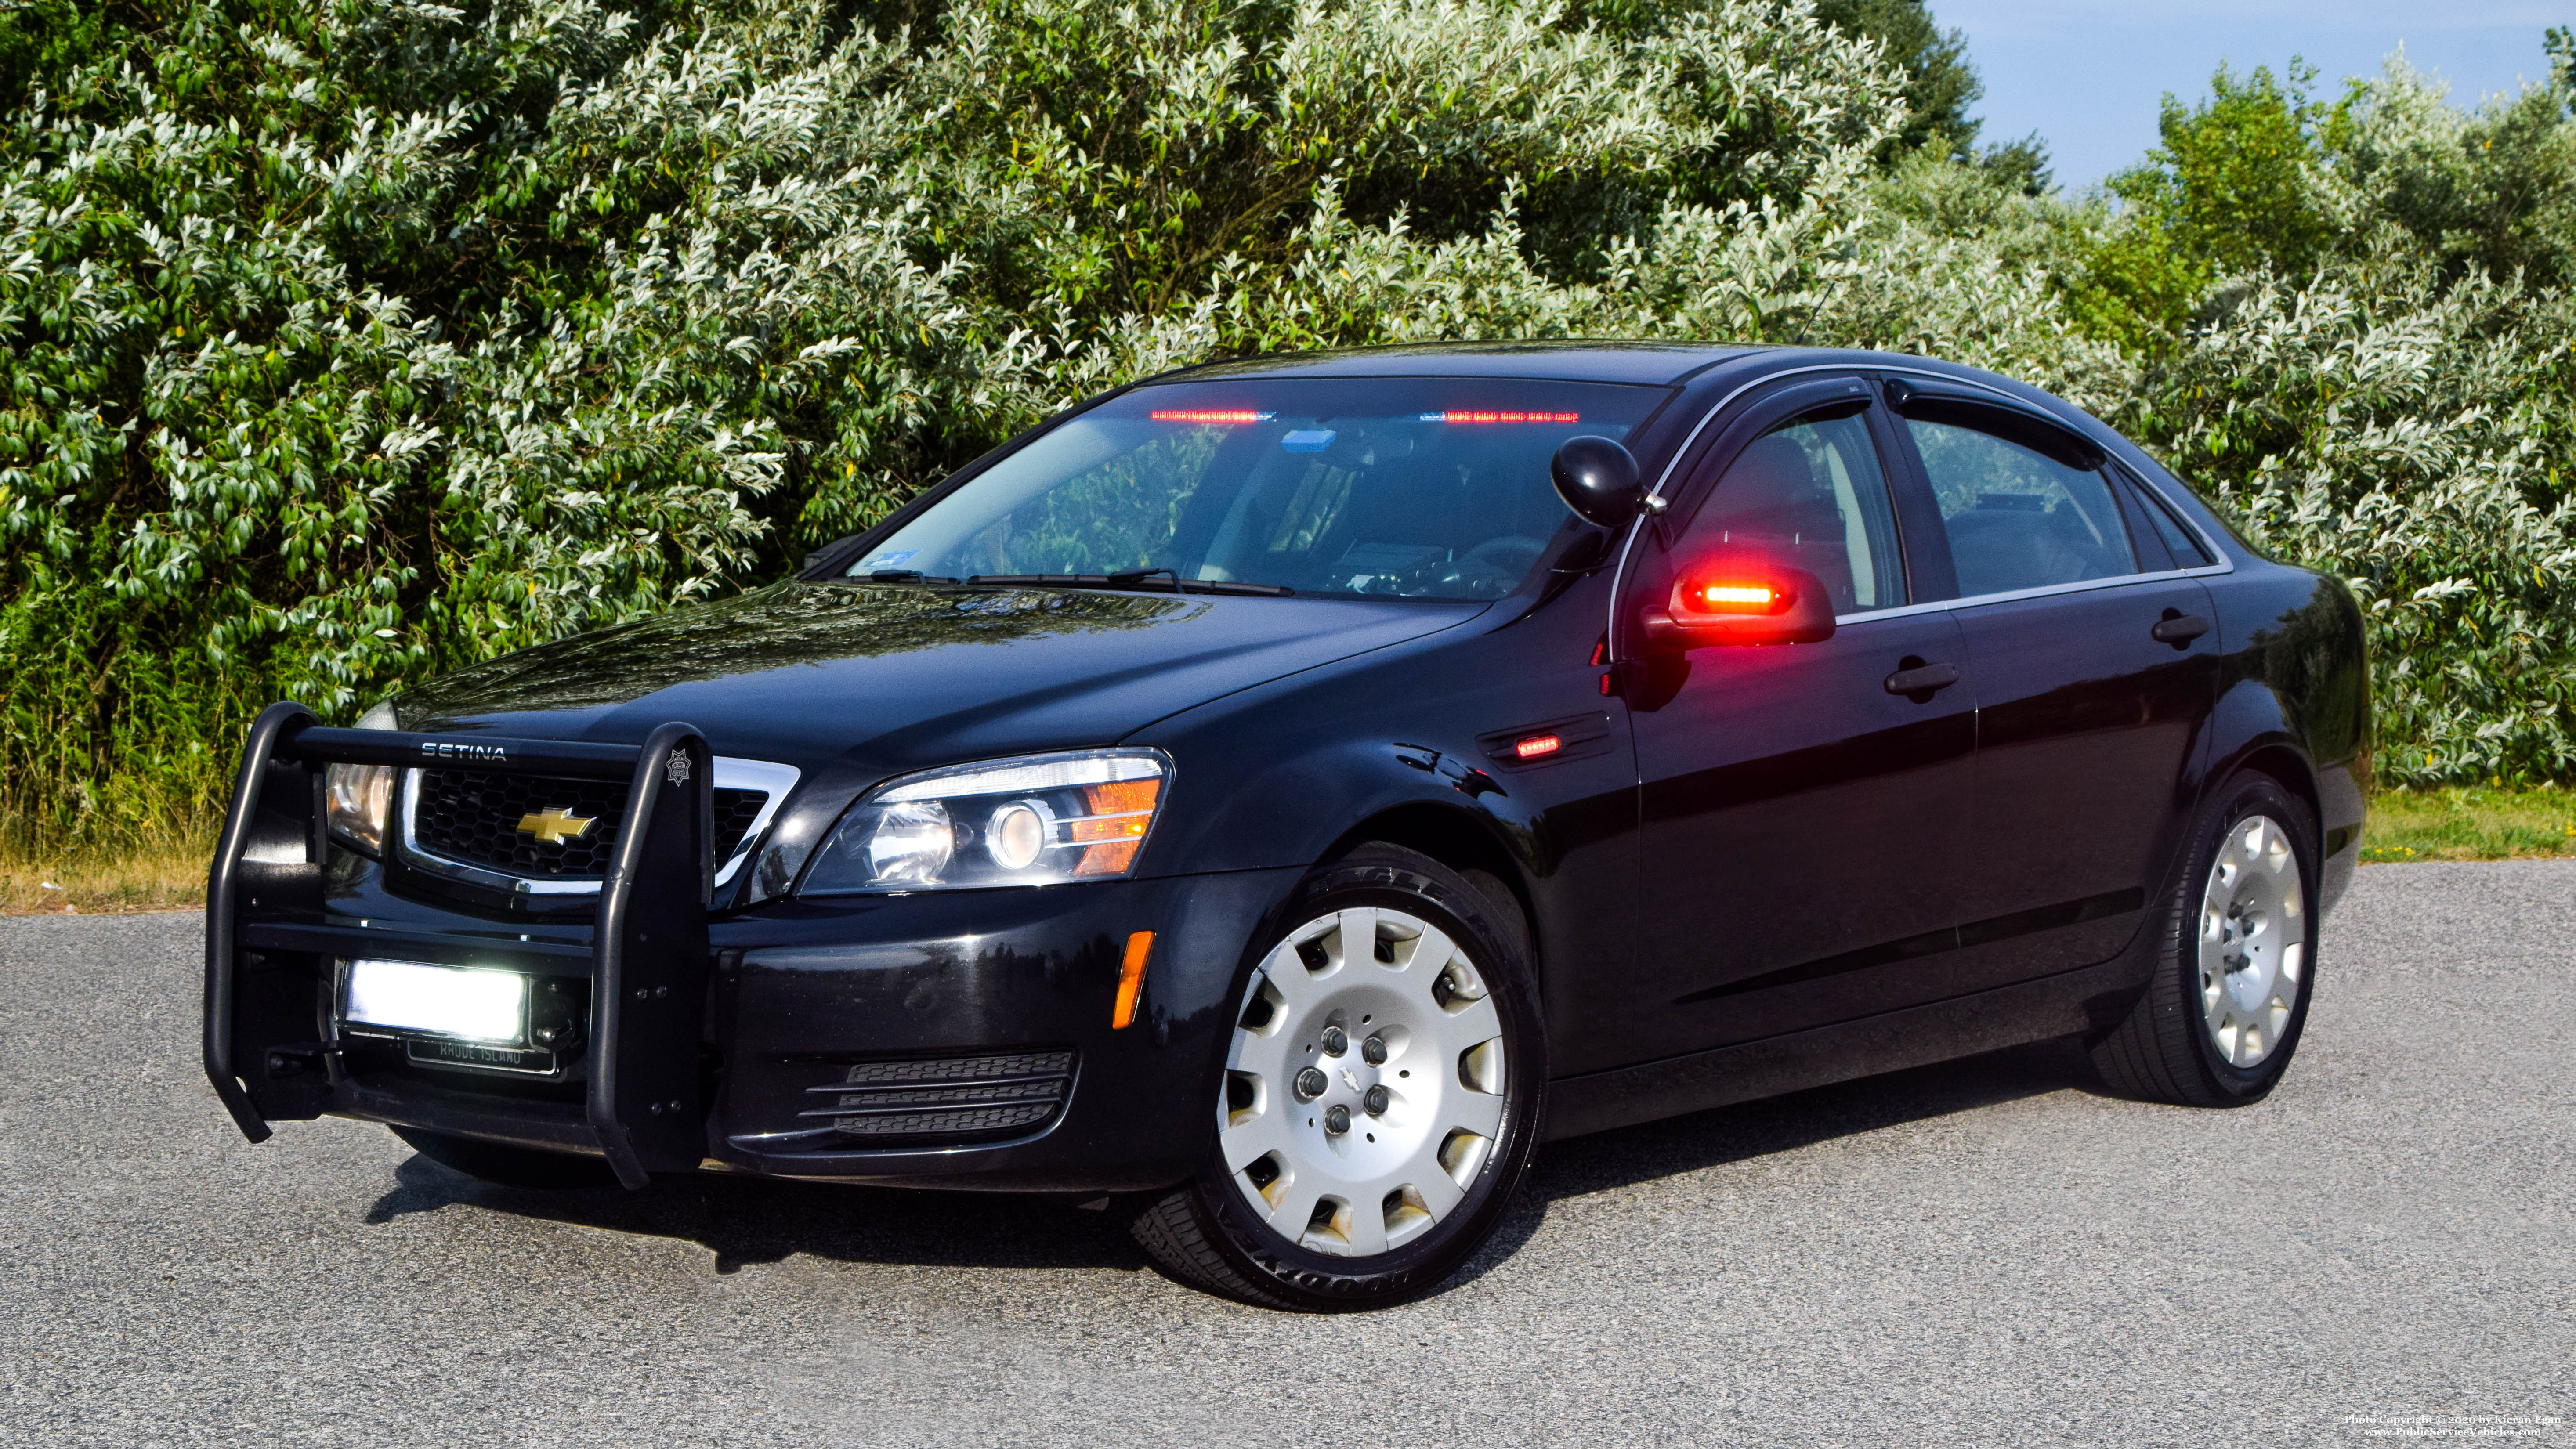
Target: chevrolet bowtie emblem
{"x": 555, "y": 825}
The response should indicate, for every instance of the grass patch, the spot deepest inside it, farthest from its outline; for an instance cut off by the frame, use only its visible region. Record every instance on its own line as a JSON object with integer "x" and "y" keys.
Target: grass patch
{"x": 2471, "y": 822}
{"x": 164, "y": 872}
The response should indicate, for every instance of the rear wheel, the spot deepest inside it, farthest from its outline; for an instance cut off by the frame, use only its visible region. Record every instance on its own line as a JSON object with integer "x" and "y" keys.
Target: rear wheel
{"x": 2237, "y": 959}
{"x": 1379, "y": 1099}
{"x": 503, "y": 1165}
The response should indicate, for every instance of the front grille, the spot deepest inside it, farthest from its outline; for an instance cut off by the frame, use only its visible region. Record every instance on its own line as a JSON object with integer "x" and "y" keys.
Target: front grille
{"x": 947, "y": 1097}
{"x": 473, "y": 816}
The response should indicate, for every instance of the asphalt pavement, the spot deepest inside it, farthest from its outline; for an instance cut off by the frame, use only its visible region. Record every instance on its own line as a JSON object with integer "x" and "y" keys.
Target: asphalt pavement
{"x": 1990, "y": 1251}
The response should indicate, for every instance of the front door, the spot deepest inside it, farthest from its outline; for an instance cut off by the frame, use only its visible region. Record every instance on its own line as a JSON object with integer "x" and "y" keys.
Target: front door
{"x": 1800, "y": 822}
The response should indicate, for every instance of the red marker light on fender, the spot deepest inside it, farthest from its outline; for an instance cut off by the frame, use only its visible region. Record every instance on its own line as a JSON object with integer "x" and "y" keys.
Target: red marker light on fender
{"x": 1537, "y": 746}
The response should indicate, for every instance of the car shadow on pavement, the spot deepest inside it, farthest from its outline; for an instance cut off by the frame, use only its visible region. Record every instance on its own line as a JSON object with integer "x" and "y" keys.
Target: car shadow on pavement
{"x": 745, "y": 1220}
{"x": 1625, "y": 1156}
{"x": 749, "y": 1220}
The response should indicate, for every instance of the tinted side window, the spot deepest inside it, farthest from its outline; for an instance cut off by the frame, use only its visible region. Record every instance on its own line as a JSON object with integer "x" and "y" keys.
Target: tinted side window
{"x": 2186, "y": 549}
{"x": 2018, "y": 519}
{"x": 1810, "y": 494}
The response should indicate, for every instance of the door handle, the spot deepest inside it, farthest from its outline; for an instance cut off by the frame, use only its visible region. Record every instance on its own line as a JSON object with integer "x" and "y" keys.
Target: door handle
{"x": 2179, "y": 629}
{"x": 1923, "y": 679}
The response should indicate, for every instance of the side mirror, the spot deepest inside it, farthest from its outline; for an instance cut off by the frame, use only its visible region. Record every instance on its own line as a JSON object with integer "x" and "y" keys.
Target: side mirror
{"x": 1741, "y": 601}
{"x": 1598, "y": 480}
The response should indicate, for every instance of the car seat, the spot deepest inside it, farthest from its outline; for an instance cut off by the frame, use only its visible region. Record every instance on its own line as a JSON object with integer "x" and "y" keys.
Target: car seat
{"x": 1772, "y": 500}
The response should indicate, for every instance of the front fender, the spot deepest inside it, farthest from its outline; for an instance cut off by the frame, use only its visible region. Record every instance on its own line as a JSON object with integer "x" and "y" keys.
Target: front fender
{"x": 1280, "y": 775}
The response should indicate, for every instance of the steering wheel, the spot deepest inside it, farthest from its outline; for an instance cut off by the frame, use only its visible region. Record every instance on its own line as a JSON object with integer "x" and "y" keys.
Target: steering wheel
{"x": 1511, "y": 553}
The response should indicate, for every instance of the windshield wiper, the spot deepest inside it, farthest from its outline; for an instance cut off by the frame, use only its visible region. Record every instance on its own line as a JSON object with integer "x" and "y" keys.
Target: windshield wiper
{"x": 1137, "y": 579}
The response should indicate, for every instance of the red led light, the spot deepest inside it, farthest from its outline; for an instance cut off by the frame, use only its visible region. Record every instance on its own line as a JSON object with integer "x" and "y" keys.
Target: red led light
{"x": 1209, "y": 415}
{"x": 1723, "y": 595}
{"x": 1739, "y": 598}
{"x": 1480, "y": 416}
{"x": 1537, "y": 745}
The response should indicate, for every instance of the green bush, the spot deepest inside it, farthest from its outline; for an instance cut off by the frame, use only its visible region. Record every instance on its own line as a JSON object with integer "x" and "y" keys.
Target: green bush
{"x": 359, "y": 340}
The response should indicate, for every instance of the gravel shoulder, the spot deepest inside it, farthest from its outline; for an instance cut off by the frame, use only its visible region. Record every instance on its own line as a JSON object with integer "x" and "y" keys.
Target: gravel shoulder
{"x": 1989, "y": 1251}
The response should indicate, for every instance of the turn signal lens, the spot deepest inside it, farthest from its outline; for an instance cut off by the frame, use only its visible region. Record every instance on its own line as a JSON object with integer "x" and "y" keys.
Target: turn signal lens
{"x": 1119, "y": 814}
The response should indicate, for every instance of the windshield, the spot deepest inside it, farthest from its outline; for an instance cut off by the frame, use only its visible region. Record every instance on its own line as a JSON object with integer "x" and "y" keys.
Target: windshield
{"x": 1432, "y": 488}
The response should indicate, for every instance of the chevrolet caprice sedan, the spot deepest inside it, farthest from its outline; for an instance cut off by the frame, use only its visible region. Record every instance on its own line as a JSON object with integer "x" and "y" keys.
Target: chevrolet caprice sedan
{"x": 1277, "y": 796}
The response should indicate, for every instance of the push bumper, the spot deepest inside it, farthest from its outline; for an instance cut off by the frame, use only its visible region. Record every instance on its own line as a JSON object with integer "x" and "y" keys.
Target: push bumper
{"x": 957, "y": 1039}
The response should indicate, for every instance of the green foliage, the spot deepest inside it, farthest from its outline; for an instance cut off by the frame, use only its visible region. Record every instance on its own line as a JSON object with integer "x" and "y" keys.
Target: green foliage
{"x": 2233, "y": 188}
{"x": 2364, "y": 354}
{"x": 1940, "y": 85}
{"x": 360, "y": 340}
{"x": 2490, "y": 190}
{"x": 2410, "y": 437}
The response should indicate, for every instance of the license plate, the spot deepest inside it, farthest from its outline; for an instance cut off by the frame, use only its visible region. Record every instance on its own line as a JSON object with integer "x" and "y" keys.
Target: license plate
{"x": 466, "y": 1004}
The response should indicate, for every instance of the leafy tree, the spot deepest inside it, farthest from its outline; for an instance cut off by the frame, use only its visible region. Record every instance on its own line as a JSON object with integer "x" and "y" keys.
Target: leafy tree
{"x": 2492, "y": 189}
{"x": 1940, "y": 84}
{"x": 356, "y": 340}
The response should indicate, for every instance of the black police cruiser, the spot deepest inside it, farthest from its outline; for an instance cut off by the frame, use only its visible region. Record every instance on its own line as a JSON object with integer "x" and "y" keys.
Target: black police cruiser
{"x": 1281, "y": 794}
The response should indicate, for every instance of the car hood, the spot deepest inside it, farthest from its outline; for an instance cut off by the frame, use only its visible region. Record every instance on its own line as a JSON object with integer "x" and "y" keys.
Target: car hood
{"x": 851, "y": 683}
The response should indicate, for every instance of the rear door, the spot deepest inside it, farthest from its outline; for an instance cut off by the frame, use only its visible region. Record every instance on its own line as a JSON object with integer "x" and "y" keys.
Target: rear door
{"x": 2095, "y": 670}
{"x": 1800, "y": 823}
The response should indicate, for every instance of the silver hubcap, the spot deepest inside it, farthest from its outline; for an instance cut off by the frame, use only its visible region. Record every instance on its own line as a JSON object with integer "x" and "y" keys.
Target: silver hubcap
{"x": 2253, "y": 936}
{"x": 1365, "y": 1086}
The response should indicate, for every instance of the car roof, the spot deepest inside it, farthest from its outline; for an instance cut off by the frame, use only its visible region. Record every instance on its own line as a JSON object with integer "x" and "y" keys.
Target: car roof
{"x": 1662, "y": 363}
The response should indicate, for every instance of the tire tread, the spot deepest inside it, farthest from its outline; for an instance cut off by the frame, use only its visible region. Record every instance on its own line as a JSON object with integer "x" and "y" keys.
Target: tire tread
{"x": 2154, "y": 1053}
{"x": 1170, "y": 1231}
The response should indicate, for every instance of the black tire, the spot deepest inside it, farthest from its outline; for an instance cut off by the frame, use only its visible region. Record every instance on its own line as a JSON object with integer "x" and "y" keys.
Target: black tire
{"x": 1204, "y": 1234}
{"x": 2163, "y": 1050}
{"x": 503, "y": 1165}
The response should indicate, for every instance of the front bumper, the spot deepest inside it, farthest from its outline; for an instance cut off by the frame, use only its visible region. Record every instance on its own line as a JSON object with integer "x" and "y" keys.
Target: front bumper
{"x": 817, "y": 988}
{"x": 805, "y": 1010}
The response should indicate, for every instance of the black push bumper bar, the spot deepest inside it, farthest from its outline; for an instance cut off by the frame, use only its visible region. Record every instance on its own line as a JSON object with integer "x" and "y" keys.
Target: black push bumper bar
{"x": 271, "y": 944}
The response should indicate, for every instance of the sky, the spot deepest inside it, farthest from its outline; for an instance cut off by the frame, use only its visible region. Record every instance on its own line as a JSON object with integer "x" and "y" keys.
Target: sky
{"x": 2088, "y": 75}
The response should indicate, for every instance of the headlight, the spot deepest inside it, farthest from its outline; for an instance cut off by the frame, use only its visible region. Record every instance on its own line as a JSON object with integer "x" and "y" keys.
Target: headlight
{"x": 362, "y": 796}
{"x": 1035, "y": 820}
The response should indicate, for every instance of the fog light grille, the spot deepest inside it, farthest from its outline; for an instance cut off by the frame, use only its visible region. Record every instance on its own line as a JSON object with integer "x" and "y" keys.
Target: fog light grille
{"x": 947, "y": 1097}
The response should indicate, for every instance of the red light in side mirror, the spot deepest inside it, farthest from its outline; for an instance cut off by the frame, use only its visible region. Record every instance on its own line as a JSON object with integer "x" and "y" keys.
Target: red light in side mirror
{"x": 1743, "y": 598}
{"x": 1537, "y": 745}
{"x": 1732, "y": 597}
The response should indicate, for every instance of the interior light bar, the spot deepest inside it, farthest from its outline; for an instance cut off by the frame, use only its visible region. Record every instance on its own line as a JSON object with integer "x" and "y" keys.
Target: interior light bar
{"x": 1209, "y": 415}
{"x": 1480, "y": 416}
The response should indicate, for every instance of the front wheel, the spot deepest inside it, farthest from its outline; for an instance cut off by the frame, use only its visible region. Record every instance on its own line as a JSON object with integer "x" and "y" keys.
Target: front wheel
{"x": 1380, "y": 1096}
{"x": 2236, "y": 961}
